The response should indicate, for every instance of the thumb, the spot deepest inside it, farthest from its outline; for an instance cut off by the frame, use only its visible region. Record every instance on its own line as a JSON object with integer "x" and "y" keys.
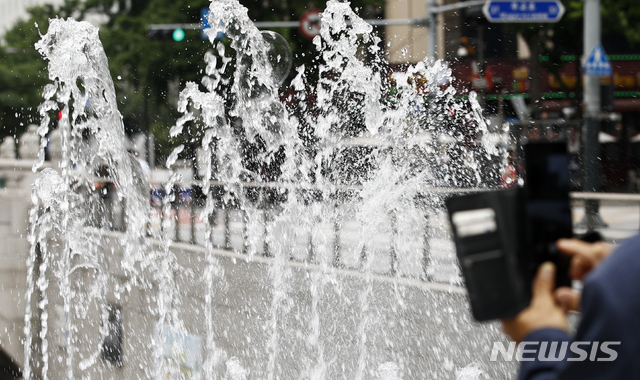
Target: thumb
{"x": 568, "y": 299}
{"x": 544, "y": 282}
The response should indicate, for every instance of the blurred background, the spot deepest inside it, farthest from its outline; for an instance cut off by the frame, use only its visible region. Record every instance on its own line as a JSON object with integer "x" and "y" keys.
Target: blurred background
{"x": 527, "y": 75}
{"x": 528, "y": 78}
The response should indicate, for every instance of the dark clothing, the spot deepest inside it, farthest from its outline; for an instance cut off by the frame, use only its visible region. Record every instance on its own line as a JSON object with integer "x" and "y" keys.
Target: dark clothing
{"x": 610, "y": 312}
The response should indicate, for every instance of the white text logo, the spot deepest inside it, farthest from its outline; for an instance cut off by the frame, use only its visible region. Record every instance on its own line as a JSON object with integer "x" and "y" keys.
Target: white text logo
{"x": 555, "y": 351}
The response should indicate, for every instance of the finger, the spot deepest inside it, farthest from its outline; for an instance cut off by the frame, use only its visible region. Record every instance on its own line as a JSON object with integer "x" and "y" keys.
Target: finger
{"x": 544, "y": 282}
{"x": 602, "y": 250}
{"x": 511, "y": 327}
{"x": 568, "y": 299}
{"x": 580, "y": 266}
{"x": 573, "y": 246}
{"x": 594, "y": 251}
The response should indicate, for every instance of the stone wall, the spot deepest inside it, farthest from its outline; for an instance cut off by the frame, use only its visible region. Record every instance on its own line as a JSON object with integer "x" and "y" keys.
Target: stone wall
{"x": 14, "y": 248}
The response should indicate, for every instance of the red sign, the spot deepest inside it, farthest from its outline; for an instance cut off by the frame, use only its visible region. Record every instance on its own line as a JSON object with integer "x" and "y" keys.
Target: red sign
{"x": 310, "y": 23}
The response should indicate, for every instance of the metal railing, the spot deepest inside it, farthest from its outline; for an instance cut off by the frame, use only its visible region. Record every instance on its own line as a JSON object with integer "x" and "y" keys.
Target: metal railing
{"x": 237, "y": 212}
{"x": 618, "y": 197}
{"x": 231, "y": 230}
{"x": 181, "y": 221}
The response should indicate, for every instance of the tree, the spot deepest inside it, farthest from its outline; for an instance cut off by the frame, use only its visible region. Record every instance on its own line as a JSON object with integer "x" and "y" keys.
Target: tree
{"x": 148, "y": 74}
{"x": 620, "y": 21}
{"x": 22, "y": 73}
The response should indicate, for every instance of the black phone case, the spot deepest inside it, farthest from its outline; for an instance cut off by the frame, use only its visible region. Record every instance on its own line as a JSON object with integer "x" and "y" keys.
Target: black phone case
{"x": 492, "y": 260}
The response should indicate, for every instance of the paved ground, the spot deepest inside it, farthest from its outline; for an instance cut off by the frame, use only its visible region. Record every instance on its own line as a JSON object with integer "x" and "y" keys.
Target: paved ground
{"x": 623, "y": 220}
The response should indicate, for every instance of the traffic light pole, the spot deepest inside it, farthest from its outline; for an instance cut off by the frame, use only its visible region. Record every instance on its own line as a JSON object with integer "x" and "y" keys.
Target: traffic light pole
{"x": 433, "y": 11}
{"x": 592, "y": 113}
{"x": 293, "y": 24}
{"x": 433, "y": 21}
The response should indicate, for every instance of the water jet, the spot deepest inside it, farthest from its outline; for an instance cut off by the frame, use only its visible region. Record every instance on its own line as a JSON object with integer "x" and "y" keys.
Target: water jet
{"x": 328, "y": 260}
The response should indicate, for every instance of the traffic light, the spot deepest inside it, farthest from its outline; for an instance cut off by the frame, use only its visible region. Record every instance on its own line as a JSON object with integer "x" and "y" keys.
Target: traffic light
{"x": 166, "y": 34}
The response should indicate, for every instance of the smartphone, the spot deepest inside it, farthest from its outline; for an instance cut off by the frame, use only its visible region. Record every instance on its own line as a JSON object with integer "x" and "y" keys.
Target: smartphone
{"x": 547, "y": 203}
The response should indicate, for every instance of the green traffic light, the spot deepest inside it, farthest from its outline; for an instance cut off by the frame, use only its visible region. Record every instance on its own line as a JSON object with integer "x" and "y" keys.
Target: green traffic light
{"x": 178, "y": 35}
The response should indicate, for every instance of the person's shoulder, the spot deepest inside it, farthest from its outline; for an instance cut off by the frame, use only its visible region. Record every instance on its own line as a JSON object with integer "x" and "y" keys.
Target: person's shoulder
{"x": 619, "y": 275}
{"x": 624, "y": 259}
{"x": 630, "y": 245}
{"x": 610, "y": 309}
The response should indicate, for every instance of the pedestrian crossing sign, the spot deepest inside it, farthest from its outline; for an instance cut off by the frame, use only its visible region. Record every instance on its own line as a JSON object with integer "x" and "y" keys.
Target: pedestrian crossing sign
{"x": 597, "y": 64}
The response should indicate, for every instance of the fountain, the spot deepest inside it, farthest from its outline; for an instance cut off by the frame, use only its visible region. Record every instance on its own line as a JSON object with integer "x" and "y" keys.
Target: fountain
{"x": 315, "y": 261}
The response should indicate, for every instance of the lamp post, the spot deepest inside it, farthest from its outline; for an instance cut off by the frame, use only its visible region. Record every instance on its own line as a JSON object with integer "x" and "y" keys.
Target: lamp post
{"x": 592, "y": 112}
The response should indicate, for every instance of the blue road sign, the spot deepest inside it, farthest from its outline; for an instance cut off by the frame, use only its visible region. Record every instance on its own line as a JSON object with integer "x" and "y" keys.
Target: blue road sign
{"x": 204, "y": 25}
{"x": 597, "y": 64}
{"x": 523, "y": 11}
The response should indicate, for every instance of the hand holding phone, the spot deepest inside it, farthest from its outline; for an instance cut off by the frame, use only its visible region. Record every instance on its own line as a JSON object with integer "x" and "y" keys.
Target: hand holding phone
{"x": 502, "y": 237}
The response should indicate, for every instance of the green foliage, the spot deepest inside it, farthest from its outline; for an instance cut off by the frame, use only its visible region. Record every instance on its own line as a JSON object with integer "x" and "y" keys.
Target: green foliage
{"x": 620, "y": 20}
{"x": 618, "y": 17}
{"x": 147, "y": 74}
{"x": 22, "y": 75}
{"x": 23, "y": 72}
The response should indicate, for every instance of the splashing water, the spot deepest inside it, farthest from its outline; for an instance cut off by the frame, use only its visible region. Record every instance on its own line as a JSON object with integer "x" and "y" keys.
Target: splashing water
{"x": 66, "y": 204}
{"x": 472, "y": 371}
{"x": 389, "y": 371}
{"x": 360, "y": 197}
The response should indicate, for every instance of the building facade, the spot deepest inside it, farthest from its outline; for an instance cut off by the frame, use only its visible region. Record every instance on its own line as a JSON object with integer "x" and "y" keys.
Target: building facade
{"x": 13, "y": 10}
